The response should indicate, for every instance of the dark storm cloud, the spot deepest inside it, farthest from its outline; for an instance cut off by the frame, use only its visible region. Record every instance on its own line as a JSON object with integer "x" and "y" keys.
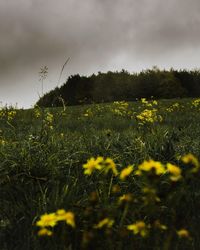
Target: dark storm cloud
{"x": 96, "y": 34}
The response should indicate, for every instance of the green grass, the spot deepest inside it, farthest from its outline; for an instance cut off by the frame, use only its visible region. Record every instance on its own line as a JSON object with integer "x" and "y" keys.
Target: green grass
{"x": 41, "y": 171}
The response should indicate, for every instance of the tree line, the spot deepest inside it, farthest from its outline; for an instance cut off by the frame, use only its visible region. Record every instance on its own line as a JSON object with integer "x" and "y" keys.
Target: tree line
{"x": 122, "y": 85}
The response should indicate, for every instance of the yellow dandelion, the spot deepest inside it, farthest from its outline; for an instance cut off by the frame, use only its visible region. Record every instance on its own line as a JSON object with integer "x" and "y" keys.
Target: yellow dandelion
{"x": 183, "y": 233}
{"x": 155, "y": 102}
{"x": 92, "y": 164}
{"x": 47, "y": 220}
{"x": 49, "y": 117}
{"x": 125, "y": 198}
{"x": 190, "y": 158}
{"x": 160, "y": 226}
{"x": 126, "y": 172}
{"x": 148, "y": 166}
{"x": 110, "y": 165}
{"x": 44, "y": 232}
{"x": 68, "y": 217}
{"x": 175, "y": 172}
{"x": 104, "y": 223}
{"x": 138, "y": 228}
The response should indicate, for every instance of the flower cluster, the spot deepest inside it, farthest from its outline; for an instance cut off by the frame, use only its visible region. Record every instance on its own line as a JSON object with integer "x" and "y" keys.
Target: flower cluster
{"x": 121, "y": 108}
{"x": 8, "y": 114}
{"x": 149, "y": 116}
{"x": 196, "y": 103}
{"x": 50, "y": 220}
{"x": 173, "y": 107}
{"x": 88, "y": 113}
{"x": 149, "y": 103}
{"x": 37, "y": 111}
{"x": 149, "y": 167}
{"x": 49, "y": 120}
{"x": 104, "y": 165}
{"x": 119, "y": 209}
{"x": 138, "y": 228}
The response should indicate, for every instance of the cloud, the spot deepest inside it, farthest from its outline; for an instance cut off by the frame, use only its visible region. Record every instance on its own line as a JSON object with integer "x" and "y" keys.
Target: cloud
{"x": 96, "y": 35}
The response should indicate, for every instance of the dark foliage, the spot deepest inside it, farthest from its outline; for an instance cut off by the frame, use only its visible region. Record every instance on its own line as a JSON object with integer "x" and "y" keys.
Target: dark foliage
{"x": 116, "y": 86}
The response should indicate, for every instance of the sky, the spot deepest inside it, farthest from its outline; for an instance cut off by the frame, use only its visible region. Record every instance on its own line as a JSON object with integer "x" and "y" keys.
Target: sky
{"x": 97, "y": 35}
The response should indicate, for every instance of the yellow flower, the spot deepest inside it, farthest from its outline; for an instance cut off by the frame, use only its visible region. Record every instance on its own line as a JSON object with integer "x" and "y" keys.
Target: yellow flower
{"x": 100, "y": 164}
{"x": 138, "y": 228}
{"x": 149, "y": 116}
{"x": 126, "y": 172}
{"x": 49, "y": 117}
{"x": 175, "y": 172}
{"x": 190, "y": 158}
{"x": 155, "y": 102}
{"x": 160, "y": 226}
{"x": 37, "y": 113}
{"x": 196, "y": 103}
{"x": 105, "y": 223}
{"x": 183, "y": 233}
{"x": 44, "y": 232}
{"x": 47, "y": 220}
{"x": 148, "y": 166}
{"x": 68, "y": 217}
{"x": 110, "y": 165}
{"x": 144, "y": 101}
{"x": 125, "y": 198}
{"x": 92, "y": 164}
{"x": 2, "y": 142}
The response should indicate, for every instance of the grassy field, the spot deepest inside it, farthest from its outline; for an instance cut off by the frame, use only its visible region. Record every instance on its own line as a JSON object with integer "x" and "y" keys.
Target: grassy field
{"x": 105, "y": 176}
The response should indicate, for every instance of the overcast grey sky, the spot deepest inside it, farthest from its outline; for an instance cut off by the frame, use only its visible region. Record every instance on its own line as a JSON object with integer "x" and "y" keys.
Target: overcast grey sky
{"x": 97, "y": 35}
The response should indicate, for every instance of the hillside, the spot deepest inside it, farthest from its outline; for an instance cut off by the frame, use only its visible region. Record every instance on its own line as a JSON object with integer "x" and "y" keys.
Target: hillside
{"x": 51, "y": 160}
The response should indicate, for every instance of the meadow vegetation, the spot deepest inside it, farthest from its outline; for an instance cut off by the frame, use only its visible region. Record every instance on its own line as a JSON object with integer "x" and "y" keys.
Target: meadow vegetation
{"x": 120, "y": 175}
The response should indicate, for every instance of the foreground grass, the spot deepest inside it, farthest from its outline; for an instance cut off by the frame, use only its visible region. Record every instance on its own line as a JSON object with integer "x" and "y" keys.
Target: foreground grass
{"x": 42, "y": 154}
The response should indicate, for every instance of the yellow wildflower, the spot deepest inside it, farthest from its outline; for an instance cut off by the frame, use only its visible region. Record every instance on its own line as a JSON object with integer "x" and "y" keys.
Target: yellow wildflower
{"x": 11, "y": 114}
{"x": 44, "y": 232}
{"x": 49, "y": 117}
{"x": 160, "y": 226}
{"x": 190, "y": 158}
{"x": 175, "y": 172}
{"x": 183, "y": 233}
{"x": 37, "y": 113}
{"x": 92, "y": 164}
{"x": 196, "y": 103}
{"x": 110, "y": 165}
{"x": 125, "y": 198}
{"x": 149, "y": 116}
{"x": 2, "y": 142}
{"x": 138, "y": 228}
{"x": 105, "y": 223}
{"x": 144, "y": 101}
{"x": 68, "y": 217}
{"x": 151, "y": 166}
{"x": 47, "y": 220}
{"x": 155, "y": 102}
{"x": 126, "y": 172}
